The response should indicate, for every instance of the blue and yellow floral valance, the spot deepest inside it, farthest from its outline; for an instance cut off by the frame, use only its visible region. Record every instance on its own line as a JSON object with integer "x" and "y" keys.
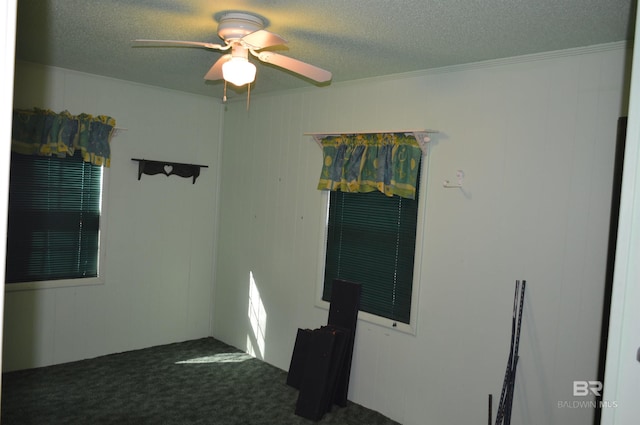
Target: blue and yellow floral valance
{"x": 387, "y": 162}
{"x": 44, "y": 132}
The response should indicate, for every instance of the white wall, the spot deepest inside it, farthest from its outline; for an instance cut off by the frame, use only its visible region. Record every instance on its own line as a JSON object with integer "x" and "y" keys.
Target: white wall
{"x": 535, "y": 137}
{"x": 160, "y": 231}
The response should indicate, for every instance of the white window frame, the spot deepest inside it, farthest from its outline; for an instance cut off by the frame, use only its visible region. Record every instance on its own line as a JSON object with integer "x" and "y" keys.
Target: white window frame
{"x": 411, "y": 327}
{"x": 102, "y": 255}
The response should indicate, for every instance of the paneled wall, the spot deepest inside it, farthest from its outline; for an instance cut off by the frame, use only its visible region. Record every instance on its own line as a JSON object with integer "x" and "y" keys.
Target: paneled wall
{"x": 160, "y": 231}
{"x": 535, "y": 137}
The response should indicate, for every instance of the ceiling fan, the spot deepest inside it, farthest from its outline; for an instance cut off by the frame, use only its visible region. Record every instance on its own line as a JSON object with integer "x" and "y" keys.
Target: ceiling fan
{"x": 244, "y": 33}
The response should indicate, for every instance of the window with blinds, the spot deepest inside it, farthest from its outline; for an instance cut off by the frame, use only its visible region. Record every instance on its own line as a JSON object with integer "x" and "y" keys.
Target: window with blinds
{"x": 371, "y": 240}
{"x": 53, "y": 219}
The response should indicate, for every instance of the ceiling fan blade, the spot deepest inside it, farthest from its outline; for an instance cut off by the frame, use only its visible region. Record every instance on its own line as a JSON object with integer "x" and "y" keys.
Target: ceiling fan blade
{"x": 177, "y": 43}
{"x": 215, "y": 73}
{"x": 260, "y": 39}
{"x": 310, "y": 71}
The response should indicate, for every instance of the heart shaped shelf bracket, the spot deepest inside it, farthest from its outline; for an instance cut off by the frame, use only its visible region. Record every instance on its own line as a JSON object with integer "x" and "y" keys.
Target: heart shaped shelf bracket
{"x": 149, "y": 167}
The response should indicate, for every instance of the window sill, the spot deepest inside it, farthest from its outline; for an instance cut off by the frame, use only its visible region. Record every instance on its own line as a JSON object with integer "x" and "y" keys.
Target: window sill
{"x": 376, "y": 320}
{"x": 52, "y": 284}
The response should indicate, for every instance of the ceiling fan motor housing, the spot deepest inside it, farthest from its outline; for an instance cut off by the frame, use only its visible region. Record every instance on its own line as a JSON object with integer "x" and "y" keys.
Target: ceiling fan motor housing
{"x": 235, "y": 25}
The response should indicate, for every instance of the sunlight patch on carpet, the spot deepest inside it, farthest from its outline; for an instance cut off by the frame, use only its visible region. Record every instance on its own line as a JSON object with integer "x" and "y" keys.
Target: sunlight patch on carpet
{"x": 219, "y": 358}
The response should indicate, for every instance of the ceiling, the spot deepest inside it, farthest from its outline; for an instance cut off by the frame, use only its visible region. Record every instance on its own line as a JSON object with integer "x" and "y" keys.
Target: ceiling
{"x": 353, "y": 39}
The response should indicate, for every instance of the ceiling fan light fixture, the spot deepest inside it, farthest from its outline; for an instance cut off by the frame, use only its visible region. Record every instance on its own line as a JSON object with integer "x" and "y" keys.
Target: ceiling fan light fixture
{"x": 239, "y": 71}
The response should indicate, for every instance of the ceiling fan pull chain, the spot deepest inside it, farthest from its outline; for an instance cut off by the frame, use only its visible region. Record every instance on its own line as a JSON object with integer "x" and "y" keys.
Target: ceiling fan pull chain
{"x": 224, "y": 93}
{"x": 248, "y": 95}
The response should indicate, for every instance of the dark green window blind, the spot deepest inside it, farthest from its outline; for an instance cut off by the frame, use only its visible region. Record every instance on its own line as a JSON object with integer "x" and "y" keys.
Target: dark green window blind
{"x": 54, "y": 218}
{"x": 371, "y": 240}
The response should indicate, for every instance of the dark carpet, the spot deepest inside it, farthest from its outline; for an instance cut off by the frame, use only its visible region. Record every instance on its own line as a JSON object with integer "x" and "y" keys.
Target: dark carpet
{"x": 202, "y": 381}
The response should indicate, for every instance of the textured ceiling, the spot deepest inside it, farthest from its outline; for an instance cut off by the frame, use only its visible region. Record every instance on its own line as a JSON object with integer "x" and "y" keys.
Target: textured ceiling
{"x": 353, "y": 39}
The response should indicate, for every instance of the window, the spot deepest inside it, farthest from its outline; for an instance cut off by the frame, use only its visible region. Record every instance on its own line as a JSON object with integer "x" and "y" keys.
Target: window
{"x": 371, "y": 239}
{"x": 54, "y": 219}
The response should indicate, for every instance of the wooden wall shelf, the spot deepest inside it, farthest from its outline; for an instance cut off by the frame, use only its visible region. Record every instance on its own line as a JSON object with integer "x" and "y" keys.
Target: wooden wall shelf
{"x": 150, "y": 167}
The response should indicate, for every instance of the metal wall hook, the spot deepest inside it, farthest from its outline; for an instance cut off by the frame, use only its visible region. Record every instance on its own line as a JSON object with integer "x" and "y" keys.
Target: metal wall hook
{"x": 460, "y": 177}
